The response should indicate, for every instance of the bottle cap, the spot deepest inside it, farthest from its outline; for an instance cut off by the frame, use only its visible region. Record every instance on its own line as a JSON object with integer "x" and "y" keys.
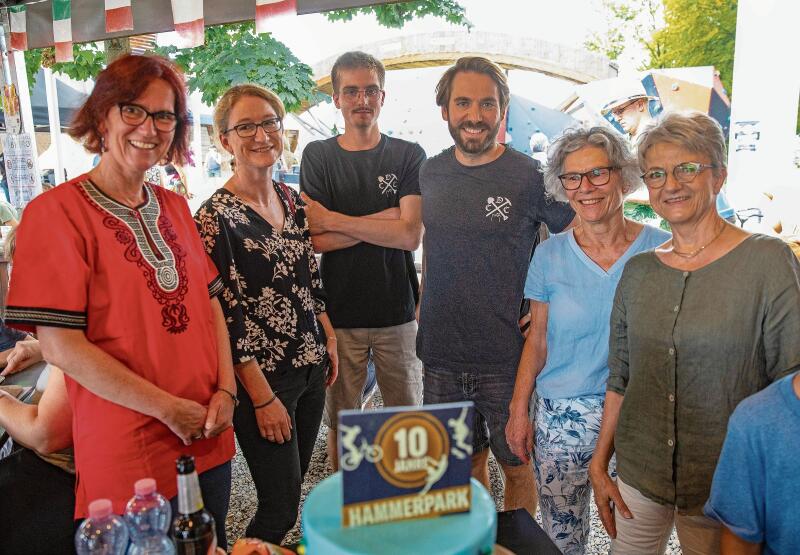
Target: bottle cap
{"x": 145, "y": 486}
{"x": 100, "y": 508}
{"x": 185, "y": 464}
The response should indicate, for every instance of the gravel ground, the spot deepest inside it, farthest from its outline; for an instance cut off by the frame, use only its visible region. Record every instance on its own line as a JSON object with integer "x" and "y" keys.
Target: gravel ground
{"x": 243, "y": 499}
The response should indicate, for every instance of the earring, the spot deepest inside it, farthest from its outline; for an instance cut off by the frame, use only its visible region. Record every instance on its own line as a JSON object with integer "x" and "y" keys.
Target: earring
{"x": 102, "y": 144}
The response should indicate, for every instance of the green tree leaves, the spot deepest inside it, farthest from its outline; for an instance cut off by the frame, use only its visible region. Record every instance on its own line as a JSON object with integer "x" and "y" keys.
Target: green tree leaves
{"x": 628, "y": 22}
{"x": 89, "y": 60}
{"x": 397, "y": 15}
{"x": 235, "y": 54}
{"x": 699, "y": 33}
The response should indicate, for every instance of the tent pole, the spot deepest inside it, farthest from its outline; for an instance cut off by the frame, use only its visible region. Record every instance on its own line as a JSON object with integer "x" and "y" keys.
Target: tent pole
{"x": 20, "y": 77}
{"x": 51, "y": 89}
{"x": 196, "y": 175}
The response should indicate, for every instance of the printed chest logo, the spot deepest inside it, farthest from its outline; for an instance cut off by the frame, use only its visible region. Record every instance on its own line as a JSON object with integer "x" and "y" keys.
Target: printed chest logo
{"x": 387, "y": 184}
{"x": 497, "y": 208}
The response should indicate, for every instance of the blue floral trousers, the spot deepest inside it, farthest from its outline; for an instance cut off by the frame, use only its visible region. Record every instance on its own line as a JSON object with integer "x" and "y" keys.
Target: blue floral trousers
{"x": 566, "y": 434}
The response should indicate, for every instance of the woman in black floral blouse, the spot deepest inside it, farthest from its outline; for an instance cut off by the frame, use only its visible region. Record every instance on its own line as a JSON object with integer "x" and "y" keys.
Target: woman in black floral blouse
{"x": 256, "y": 232}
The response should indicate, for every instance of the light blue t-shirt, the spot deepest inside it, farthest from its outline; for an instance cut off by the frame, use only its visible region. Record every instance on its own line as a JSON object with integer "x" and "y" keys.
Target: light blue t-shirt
{"x": 756, "y": 488}
{"x": 579, "y": 294}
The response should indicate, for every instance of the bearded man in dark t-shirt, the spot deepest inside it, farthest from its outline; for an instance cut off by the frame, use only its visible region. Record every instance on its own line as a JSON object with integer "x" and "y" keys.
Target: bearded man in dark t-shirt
{"x": 482, "y": 205}
{"x": 361, "y": 191}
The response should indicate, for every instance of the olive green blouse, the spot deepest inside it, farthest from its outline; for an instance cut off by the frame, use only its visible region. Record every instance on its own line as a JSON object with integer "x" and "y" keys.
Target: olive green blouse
{"x": 685, "y": 348}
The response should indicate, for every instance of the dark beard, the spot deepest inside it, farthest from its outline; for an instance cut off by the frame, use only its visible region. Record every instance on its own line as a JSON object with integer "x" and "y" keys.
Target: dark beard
{"x": 474, "y": 146}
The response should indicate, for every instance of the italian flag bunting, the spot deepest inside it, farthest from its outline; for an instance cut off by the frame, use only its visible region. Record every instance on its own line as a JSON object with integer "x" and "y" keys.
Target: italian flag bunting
{"x": 189, "y": 24}
{"x": 119, "y": 16}
{"x": 19, "y": 30}
{"x": 268, "y": 9}
{"x": 62, "y": 30}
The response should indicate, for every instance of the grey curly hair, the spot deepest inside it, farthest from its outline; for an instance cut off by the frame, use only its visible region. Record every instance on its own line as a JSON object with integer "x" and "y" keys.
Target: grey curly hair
{"x": 617, "y": 149}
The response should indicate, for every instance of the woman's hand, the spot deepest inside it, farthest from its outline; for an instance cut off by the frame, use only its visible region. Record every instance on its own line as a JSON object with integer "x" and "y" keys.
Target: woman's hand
{"x": 220, "y": 414}
{"x": 606, "y": 492}
{"x": 333, "y": 366}
{"x": 186, "y": 419}
{"x": 24, "y": 354}
{"x": 519, "y": 433}
{"x": 274, "y": 422}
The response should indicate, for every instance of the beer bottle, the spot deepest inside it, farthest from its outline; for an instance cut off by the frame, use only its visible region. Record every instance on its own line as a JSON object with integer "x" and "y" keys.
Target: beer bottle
{"x": 193, "y": 528}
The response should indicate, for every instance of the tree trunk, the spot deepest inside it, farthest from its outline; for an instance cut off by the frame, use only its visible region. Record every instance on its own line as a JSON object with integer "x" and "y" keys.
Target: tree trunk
{"x": 116, "y": 48}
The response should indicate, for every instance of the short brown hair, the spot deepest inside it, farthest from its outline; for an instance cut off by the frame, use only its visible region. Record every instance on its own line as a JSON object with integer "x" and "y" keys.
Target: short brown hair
{"x": 124, "y": 81}
{"x": 473, "y": 64}
{"x": 222, "y": 111}
{"x": 357, "y": 60}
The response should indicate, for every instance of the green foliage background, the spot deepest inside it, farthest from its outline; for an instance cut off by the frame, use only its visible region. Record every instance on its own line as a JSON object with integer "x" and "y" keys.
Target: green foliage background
{"x": 234, "y": 54}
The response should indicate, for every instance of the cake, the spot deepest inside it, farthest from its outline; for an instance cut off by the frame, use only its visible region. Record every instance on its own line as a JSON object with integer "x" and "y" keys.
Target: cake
{"x": 470, "y": 533}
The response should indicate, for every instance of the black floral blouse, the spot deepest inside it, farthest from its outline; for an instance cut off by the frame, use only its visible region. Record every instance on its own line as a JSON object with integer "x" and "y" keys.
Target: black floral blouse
{"x": 272, "y": 287}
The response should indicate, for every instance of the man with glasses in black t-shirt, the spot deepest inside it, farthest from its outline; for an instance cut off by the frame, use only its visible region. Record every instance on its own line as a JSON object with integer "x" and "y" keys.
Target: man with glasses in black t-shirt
{"x": 362, "y": 198}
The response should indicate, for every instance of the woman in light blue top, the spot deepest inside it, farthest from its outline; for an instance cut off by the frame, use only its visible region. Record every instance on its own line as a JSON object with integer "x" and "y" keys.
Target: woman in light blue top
{"x": 571, "y": 283}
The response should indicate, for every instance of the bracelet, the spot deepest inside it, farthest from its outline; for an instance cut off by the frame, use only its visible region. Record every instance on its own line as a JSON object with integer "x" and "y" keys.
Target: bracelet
{"x": 262, "y": 405}
{"x": 234, "y": 397}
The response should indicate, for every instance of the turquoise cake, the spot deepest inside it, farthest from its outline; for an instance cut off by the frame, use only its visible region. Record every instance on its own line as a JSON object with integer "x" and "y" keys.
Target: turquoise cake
{"x": 471, "y": 533}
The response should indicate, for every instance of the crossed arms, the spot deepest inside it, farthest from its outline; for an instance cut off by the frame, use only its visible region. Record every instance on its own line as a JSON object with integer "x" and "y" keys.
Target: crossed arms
{"x": 394, "y": 228}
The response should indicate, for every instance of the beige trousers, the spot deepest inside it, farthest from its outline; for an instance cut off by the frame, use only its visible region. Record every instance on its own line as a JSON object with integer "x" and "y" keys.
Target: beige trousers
{"x": 648, "y": 531}
{"x": 397, "y": 368}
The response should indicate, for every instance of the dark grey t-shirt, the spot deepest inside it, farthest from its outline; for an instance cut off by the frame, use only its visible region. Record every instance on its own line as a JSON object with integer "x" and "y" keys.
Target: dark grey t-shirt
{"x": 368, "y": 286}
{"x": 481, "y": 225}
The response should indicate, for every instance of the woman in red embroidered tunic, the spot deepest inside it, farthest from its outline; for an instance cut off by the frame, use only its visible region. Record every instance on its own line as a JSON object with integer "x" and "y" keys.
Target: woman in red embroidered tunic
{"x": 112, "y": 275}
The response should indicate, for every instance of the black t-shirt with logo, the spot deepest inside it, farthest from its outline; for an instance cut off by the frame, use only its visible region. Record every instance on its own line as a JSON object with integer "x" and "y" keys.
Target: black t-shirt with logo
{"x": 481, "y": 225}
{"x": 368, "y": 286}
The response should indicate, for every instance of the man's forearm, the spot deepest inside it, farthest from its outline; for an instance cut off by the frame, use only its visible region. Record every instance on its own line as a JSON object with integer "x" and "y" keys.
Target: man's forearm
{"x": 331, "y": 241}
{"x": 392, "y": 233}
{"x": 328, "y": 241}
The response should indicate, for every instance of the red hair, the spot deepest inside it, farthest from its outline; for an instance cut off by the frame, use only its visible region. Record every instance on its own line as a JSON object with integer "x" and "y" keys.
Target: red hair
{"x": 124, "y": 81}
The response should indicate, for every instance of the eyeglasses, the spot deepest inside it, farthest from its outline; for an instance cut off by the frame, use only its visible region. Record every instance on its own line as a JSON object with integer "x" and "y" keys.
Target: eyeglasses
{"x": 619, "y": 110}
{"x": 370, "y": 93}
{"x": 655, "y": 178}
{"x": 596, "y": 176}
{"x": 133, "y": 114}
{"x": 247, "y": 130}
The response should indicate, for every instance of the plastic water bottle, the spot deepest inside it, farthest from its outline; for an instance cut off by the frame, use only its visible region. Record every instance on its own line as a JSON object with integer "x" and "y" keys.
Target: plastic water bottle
{"x": 148, "y": 515}
{"x": 103, "y": 533}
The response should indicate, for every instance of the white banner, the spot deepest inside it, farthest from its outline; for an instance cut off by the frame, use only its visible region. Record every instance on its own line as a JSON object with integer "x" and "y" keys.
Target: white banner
{"x": 764, "y": 101}
{"x": 22, "y": 169}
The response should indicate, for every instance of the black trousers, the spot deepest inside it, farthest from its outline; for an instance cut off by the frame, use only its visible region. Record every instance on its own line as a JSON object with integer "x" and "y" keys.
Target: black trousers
{"x": 37, "y": 504}
{"x": 278, "y": 469}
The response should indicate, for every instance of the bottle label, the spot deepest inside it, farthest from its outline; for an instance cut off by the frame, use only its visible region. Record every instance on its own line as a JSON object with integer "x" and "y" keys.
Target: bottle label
{"x": 190, "y": 499}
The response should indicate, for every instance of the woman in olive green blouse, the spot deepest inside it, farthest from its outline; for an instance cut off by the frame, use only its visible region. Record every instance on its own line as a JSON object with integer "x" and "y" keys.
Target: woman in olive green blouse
{"x": 707, "y": 319}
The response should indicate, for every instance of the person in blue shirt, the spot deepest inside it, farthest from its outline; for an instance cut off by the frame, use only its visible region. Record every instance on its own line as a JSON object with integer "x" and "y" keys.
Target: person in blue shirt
{"x": 571, "y": 283}
{"x": 756, "y": 488}
{"x": 724, "y": 208}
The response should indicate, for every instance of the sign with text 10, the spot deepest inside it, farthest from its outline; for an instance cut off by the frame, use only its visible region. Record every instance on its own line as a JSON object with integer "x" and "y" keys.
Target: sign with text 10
{"x": 405, "y": 463}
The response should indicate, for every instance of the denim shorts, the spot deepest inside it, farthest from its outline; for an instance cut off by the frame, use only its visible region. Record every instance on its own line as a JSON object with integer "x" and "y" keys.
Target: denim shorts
{"x": 491, "y": 392}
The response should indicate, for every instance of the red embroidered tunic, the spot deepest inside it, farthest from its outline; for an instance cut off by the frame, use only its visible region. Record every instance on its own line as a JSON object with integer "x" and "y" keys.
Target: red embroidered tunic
{"x": 137, "y": 281}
